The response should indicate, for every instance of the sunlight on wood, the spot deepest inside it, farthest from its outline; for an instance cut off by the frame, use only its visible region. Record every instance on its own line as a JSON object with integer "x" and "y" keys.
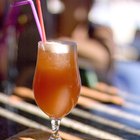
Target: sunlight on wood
{"x": 25, "y": 138}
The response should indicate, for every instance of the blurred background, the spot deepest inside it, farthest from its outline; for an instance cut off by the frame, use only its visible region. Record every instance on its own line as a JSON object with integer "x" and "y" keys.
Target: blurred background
{"x": 112, "y": 28}
{"x": 107, "y": 33}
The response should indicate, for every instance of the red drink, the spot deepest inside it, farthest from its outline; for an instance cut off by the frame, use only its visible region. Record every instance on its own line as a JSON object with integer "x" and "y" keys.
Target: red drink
{"x": 56, "y": 81}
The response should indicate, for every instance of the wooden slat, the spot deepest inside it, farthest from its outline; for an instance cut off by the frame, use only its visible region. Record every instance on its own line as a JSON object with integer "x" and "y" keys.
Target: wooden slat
{"x": 100, "y": 96}
{"x": 85, "y": 91}
{"x": 116, "y": 112}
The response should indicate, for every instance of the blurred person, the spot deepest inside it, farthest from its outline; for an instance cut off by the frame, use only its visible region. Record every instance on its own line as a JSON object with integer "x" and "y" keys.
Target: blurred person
{"x": 8, "y": 45}
{"x": 3, "y": 48}
{"x": 95, "y": 42}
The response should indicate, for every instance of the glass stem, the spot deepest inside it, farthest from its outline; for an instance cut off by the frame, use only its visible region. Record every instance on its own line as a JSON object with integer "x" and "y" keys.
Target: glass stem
{"x": 55, "y": 128}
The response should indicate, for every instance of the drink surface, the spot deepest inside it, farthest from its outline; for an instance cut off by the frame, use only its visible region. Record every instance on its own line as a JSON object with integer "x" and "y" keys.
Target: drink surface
{"x": 56, "y": 82}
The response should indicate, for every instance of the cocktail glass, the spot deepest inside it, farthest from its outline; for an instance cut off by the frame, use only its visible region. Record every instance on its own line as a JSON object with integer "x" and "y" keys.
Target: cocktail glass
{"x": 57, "y": 81}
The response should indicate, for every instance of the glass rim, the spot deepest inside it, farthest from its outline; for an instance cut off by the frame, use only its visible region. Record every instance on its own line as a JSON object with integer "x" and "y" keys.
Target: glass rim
{"x": 59, "y": 42}
{"x": 58, "y": 46}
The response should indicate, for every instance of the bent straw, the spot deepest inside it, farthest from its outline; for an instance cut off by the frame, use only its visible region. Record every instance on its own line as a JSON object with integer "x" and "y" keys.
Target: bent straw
{"x": 34, "y": 13}
{"x": 41, "y": 19}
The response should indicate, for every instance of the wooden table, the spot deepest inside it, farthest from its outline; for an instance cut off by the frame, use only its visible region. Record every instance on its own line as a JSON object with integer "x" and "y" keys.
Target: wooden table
{"x": 88, "y": 121}
{"x": 37, "y": 134}
{"x": 31, "y": 134}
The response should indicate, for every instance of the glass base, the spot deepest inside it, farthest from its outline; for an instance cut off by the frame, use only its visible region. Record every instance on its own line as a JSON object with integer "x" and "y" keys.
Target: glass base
{"x": 54, "y": 138}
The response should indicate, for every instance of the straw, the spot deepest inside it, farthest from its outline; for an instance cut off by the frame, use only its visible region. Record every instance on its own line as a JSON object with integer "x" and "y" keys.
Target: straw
{"x": 41, "y": 19}
{"x": 34, "y": 14}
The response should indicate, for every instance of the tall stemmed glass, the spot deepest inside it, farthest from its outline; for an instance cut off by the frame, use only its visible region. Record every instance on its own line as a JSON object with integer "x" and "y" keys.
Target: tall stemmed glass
{"x": 56, "y": 81}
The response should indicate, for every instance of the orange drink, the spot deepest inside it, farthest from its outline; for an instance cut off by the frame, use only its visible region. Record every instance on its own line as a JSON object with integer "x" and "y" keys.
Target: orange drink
{"x": 56, "y": 81}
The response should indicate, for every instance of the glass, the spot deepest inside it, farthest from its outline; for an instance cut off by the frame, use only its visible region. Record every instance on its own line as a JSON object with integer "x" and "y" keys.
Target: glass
{"x": 56, "y": 81}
